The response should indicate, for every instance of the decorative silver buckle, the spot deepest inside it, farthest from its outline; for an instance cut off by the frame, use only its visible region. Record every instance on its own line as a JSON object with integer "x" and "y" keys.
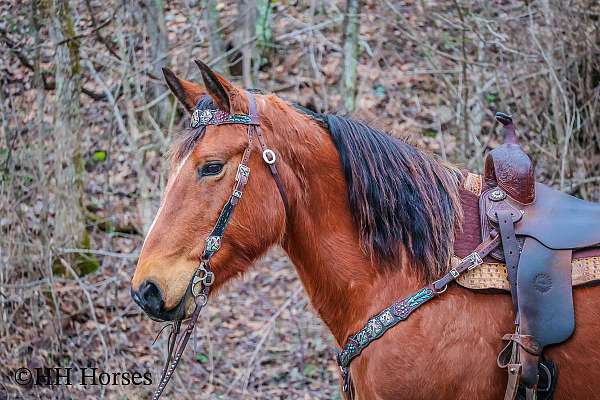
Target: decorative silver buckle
{"x": 454, "y": 273}
{"x": 242, "y": 171}
{"x": 269, "y": 156}
{"x": 202, "y": 276}
{"x": 475, "y": 260}
{"x": 213, "y": 243}
{"x": 207, "y": 277}
{"x": 201, "y": 117}
{"x": 205, "y": 116}
{"x": 237, "y": 193}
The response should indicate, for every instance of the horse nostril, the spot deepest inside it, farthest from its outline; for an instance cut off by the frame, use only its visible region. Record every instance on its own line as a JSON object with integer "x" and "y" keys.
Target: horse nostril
{"x": 135, "y": 296}
{"x": 149, "y": 298}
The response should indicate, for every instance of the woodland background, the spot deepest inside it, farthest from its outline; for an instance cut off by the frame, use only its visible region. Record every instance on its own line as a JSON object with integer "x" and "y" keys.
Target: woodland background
{"x": 86, "y": 121}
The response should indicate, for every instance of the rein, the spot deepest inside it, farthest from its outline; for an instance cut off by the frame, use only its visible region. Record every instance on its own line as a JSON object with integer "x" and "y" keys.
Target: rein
{"x": 203, "y": 278}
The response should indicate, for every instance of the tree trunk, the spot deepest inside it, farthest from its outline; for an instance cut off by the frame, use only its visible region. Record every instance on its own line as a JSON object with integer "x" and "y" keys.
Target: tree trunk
{"x": 216, "y": 46}
{"x": 157, "y": 53}
{"x": 349, "y": 79}
{"x": 68, "y": 162}
{"x": 248, "y": 8}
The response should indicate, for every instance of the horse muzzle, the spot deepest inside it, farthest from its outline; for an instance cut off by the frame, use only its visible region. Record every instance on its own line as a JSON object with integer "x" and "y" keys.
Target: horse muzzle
{"x": 150, "y": 299}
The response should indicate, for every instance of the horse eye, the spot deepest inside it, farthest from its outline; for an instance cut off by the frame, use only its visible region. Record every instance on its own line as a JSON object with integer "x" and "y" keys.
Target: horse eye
{"x": 211, "y": 169}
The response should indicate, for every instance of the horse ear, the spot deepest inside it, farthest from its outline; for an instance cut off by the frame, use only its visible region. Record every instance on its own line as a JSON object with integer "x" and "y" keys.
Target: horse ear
{"x": 188, "y": 93}
{"x": 223, "y": 92}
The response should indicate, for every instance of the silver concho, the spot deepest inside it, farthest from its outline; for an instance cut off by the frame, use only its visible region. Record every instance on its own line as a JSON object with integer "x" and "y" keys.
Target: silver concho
{"x": 205, "y": 116}
{"x": 195, "y": 119}
{"x": 213, "y": 243}
{"x": 497, "y": 195}
{"x": 201, "y": 117}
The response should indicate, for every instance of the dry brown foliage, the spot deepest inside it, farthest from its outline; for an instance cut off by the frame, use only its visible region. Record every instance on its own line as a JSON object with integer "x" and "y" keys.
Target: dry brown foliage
{"x": 432, "y": 71}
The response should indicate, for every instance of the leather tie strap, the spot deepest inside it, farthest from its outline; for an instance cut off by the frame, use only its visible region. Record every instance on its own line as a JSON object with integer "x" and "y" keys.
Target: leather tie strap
{"x": 527, "y": 342}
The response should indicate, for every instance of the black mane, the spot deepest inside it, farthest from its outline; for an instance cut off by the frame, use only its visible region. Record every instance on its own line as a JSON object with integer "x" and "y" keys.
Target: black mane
{"x": 398, "y": 194}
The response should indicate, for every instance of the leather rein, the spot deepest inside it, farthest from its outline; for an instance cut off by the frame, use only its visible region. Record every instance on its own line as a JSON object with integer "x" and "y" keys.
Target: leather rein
{"x": 199, "y": 286}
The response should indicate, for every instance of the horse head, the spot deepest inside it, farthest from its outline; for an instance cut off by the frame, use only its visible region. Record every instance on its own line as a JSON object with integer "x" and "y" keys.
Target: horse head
{"x": 204, "y": 167}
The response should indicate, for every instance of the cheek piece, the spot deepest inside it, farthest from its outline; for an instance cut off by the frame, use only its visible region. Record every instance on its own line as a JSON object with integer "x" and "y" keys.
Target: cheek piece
{"x": 196, "y": 295}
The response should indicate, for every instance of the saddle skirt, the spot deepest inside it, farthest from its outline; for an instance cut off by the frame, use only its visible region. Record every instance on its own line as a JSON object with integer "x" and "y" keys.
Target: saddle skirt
{"x": 492, "y": 274}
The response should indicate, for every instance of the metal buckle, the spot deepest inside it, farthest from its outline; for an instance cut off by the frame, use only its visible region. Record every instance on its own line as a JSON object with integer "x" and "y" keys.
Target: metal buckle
{"x": 202, "y": 277}
{"x": 454, "y": 273}
{"x": 213, "y": 243}
{"x": 208, "y": 278}
{"x": 442, "y": 290}
{"x": 237, "y": 193}
{"x": 201, "y": 299}
{"x": 242, "y": 171}
{"x": 269, "y": 156}
{"x": 475, "y": 260}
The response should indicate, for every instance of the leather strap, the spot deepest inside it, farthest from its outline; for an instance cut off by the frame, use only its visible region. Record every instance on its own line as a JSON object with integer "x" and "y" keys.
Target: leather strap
{"x": 527, "y": 342}
{"x": 509, "y": 358}
{"x": 266, "y": 153}
{"x": 510, "y": 248}
{"x": 173, "y": 361}
{"x": 470, "y": 262}
{"x": 531, "y": 393}
{"x": 512, "y": 386}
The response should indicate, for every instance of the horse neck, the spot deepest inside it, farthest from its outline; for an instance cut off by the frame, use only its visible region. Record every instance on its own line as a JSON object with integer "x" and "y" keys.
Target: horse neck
{"x": 345, "y": 285}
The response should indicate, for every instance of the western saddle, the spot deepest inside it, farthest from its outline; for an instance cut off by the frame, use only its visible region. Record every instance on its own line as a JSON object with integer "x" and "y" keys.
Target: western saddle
{"x": 542, "y": 231}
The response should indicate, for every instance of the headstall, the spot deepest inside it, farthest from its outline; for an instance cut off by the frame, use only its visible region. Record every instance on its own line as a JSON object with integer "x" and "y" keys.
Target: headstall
{"x": 196, "y": 295}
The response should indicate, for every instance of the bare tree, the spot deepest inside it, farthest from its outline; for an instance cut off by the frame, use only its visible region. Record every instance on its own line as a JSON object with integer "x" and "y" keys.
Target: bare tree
{"x": 68, "y": 161}
{"x": 351, "y": 29}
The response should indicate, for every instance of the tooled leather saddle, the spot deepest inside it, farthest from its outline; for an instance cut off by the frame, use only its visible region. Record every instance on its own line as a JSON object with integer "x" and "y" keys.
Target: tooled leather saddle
{"x": 543, "y": 231}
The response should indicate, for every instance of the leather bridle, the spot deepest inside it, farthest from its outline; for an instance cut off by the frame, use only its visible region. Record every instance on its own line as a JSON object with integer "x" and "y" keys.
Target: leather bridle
{"x": 196, "y": 295}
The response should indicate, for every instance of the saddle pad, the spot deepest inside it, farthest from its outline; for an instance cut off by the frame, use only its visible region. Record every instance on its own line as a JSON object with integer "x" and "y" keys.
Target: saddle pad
{"x": 492, "y": 274}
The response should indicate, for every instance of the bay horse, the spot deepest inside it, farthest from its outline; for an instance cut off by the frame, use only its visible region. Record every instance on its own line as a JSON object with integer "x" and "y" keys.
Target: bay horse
{"x": 366, "y": 219}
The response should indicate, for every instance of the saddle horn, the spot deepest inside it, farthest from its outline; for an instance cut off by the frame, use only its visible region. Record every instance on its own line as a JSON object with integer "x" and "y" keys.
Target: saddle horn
{"x": 510, "y": 135}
